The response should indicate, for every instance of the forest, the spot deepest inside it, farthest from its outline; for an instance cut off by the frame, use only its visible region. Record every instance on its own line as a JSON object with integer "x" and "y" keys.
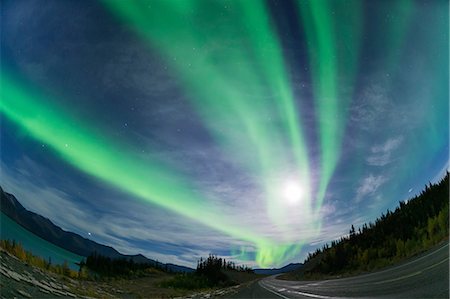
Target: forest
{"x": 415, "y": 226}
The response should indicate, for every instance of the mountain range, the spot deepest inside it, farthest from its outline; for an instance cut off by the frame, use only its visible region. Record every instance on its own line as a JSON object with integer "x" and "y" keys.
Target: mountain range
{"x": 288, "y": 268}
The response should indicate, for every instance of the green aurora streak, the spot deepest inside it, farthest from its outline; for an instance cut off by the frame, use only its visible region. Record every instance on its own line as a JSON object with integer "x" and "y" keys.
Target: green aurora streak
{"x": 94, "y": 154}
{"x": 329, "y": 66}
{"x": 234, "y": 74}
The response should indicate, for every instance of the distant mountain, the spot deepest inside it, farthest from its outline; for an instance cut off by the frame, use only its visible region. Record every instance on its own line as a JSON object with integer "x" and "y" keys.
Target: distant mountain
{"x": 273, "y": 271}
{"x": 72, "y": 242}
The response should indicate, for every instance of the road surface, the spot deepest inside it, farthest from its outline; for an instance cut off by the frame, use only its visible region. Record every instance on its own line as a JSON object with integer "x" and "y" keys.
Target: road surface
{"x": 426, "y": 276}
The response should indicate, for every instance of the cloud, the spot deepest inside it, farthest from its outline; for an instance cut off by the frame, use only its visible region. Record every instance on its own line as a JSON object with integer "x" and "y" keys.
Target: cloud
{"x": 372, "y": 105}
{"x": 390, "y": 145}
{"x": 369, "y": 185}
{"x": 381, "y": 155}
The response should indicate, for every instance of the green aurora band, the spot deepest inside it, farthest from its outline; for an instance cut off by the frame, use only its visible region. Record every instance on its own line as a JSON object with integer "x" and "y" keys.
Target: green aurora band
{"x": 105, "y": 159}
{"x": 334, "y": 47}
{"x": 331, "y": 64}
{"x": 234, "y": 74}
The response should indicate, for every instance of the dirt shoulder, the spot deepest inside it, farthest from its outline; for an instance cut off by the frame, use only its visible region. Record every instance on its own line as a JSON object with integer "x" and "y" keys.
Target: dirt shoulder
{"x": 19, "y": 279}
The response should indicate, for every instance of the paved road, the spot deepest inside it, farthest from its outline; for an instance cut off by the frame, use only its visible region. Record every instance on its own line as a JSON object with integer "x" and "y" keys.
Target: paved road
{"x": 426, "y": 276}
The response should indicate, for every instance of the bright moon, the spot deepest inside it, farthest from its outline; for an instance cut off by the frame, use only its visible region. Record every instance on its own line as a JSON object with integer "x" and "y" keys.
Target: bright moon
{"x": 292, "y": 192}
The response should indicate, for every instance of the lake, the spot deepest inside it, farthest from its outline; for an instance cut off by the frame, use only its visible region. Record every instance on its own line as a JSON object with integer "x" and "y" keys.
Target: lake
{"x": 9, "y": 229}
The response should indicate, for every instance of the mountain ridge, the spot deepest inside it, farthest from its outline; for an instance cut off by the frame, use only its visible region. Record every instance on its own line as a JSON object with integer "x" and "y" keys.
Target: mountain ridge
{"x": 288, "y": 268}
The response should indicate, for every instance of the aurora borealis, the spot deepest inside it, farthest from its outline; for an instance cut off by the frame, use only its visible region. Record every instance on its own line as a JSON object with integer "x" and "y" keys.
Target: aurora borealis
{"x": 256, "y": 130}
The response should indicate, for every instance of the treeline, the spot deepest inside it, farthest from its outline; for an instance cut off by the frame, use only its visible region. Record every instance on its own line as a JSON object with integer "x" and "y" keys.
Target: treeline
{"x": 415, "y": 226}
{"x": 102, "y": 266}
{"x": 210, "y": 272}
{"x": 213, "y": 269}
{"x": 214, "y": 264}
{"x": 17, "y": 250}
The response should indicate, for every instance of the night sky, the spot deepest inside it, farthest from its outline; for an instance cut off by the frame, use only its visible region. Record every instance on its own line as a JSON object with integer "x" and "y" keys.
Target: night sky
{"x": 255, "y": 130}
